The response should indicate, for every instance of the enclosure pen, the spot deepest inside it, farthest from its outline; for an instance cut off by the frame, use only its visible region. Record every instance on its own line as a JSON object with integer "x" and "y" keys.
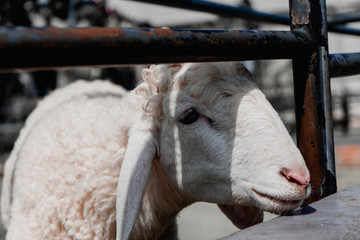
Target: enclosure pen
{"x": 306, "y": 44}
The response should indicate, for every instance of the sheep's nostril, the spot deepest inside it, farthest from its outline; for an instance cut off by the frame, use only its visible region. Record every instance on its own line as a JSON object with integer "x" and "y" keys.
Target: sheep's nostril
{"x": 295, "y": 177}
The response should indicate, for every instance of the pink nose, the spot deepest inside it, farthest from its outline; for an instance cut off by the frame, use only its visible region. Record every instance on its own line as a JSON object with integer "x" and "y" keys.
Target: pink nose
{"x": 296, "y": 176}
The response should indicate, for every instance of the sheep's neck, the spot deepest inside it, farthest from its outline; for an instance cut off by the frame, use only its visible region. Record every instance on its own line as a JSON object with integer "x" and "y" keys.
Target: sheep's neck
{"x": 161, "y": 204}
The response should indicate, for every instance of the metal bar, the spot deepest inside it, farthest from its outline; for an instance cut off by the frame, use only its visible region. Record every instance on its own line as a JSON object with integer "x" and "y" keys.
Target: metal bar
{"x": 49, "y": 42}
{"x": 242, "y": 12}
{"x": 343, "y": 18}
{"x": 345, "y": 30}
{"x": 330, "y": 185}
{"x": 222, "y": 10}
{"x": 344, "y": 64}
{"x": 39, "y": 48}
{"x": 313, "y": 97}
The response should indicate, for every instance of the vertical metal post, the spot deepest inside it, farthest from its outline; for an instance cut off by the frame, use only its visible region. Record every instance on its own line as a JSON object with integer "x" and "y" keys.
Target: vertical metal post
{"x": 313, "y": 97}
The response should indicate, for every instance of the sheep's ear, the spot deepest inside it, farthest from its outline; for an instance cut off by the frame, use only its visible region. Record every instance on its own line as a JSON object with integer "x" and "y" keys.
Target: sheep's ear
{"x": 134, "y": 173}
{"x": 242, "y": 216}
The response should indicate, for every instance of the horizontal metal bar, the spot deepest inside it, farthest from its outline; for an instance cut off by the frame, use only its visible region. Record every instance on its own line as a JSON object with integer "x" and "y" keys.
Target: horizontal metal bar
{"x": 344, "y": 30}
{"x": 39, "y": 48}
{"x": 242, "y": 12}
{"x": 343, "y": 18}
{"x": 222, "y": 10}
{"x": 345, "y": 64}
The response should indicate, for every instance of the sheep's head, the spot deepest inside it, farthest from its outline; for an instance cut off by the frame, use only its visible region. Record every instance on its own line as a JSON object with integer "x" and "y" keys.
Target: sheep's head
{"x": 220, "y": 140}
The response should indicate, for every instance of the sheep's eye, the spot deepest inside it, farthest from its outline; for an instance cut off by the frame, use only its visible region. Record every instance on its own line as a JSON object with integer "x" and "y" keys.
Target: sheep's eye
{"x": 189, "y": 117}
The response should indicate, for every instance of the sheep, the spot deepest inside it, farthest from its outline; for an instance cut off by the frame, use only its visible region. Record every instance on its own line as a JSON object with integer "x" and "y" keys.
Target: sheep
{"x": 96, "y": 162}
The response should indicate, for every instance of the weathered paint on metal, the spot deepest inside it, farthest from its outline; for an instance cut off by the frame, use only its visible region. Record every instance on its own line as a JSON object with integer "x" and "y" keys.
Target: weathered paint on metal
{"x": 65, "y": 47}
{"x": 329, "y": 185}
{"x": 69, "y": 47}
{"x": 309, "y": 136}
{"x": 299, "y": 12}
{"x": 312, "y": 90}
{"x": 332, "y": 218}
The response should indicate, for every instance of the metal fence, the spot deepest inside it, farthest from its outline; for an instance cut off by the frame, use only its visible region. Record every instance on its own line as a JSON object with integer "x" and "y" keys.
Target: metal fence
{"x": 306, "y": 44}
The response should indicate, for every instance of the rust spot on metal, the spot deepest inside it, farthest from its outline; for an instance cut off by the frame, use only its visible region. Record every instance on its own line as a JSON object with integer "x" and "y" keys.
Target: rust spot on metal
{"x": 309, "y": 141}
{"x": 300, "y": 12}
{"x": 163, "y": 31}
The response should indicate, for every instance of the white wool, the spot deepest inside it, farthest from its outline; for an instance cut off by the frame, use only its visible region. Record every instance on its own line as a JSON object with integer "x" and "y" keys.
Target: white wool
{"x": 79, "y": 88}
{"x": 50, "y": 136}
{"x": 62, "y": 179}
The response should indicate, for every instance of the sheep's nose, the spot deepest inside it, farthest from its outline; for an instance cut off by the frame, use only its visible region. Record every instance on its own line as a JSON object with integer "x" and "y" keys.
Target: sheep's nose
{"x": 296, "y": 176}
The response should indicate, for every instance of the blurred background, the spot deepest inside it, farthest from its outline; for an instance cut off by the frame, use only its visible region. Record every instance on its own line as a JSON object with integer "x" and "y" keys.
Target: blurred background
{"x": 20, "y": 91}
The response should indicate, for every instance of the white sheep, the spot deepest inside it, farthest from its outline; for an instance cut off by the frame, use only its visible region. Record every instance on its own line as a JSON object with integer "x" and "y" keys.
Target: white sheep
{"x": 95, "y": 162}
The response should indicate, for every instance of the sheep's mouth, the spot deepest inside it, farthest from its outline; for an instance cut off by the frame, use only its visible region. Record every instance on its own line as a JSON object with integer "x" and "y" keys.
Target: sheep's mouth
{"x": 278, "y": 200}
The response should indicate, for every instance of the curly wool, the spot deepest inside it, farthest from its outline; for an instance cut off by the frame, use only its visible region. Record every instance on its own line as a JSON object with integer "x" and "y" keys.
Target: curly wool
{"x": 72, "y": 164}
{"x": 75, "y": 198}
{"x": 156, "y": 82}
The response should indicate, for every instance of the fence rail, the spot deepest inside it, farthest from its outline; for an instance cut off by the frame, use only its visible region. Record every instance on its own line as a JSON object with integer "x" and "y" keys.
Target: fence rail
{"x": 111, "y": 46}
{"x": 116, "y": 46}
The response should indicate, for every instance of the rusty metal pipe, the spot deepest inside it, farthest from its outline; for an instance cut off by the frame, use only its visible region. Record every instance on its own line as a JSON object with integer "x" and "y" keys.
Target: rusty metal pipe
{"x": 313, "y": 98}
{"x": 39, "y": 48}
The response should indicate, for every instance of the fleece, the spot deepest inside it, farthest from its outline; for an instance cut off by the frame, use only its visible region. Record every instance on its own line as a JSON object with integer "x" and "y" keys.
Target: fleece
{"x": 70, "y": 182}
